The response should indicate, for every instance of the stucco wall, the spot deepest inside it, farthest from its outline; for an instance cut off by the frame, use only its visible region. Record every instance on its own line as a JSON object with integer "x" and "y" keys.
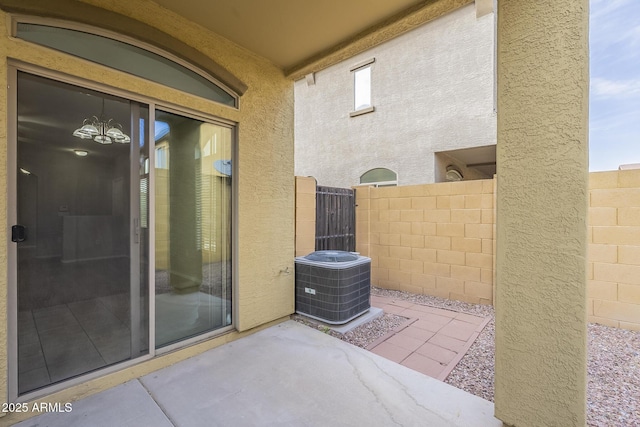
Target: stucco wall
{"x": 614, "y": 248}
{"x": 432, "y": 89}
{"x": 542, "y": 169}
{"x": 265, "y": 185}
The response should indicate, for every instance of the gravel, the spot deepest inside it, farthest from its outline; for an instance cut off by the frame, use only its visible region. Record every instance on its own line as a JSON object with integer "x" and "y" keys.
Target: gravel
{"x": 613, "y": 366}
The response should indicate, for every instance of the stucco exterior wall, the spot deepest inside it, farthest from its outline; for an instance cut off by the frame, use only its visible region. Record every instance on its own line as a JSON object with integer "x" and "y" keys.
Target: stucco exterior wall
{"x": 542, "y": 169}
{"x": 265, "y": 185}
{"x": 432, "y": 90}
{"x": 614, "y": 248}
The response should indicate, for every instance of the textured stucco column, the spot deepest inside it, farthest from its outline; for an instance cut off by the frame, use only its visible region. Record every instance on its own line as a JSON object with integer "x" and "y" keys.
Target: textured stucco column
{"x": 542, "y": 157}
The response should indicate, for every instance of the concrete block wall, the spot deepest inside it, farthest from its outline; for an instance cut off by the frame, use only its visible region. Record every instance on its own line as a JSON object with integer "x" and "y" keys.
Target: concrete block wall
{"x": 439, "y": 239}
{"x": 614, "y": 249}
{"x": 305, "y": 215}
{"x": 433, "y": 239}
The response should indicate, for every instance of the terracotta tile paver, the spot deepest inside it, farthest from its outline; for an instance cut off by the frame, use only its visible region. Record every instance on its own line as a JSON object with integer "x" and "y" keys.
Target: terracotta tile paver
{"x": 459, "y": 330}
{"x": 391, "y": 352}
{"x": 427, "y": 325}
{"x": 423, "y": 364}
{"x": 435, "y": 319}
{"x": 400, "y": 303}
{"x": 437, "y": 353}
{"x": 393, "y": 309}
{"x": 424, "y": 308}
{"x": 405, "y": 341}
{"x": 412, "y": 314}
{"x": 448, "y": 342}
{"x": 432, "y": 342}
{"x": 469, "y": 318}
{"x": 417, "y": 333}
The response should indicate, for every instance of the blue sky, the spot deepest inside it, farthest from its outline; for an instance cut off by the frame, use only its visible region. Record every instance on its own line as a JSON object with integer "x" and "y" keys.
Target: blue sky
{"x": 614, "y": 116}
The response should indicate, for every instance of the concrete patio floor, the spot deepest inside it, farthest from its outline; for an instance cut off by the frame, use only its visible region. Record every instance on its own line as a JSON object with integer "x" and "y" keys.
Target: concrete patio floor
{"x": 286, "y": 375}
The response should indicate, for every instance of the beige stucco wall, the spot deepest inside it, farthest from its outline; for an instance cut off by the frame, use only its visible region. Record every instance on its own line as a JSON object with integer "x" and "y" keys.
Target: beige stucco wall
{"x": 433, "y": 239}
{"x": 542, "y": 169}
{"x": 614, "y": 248}
{"x": 265, "y": 185}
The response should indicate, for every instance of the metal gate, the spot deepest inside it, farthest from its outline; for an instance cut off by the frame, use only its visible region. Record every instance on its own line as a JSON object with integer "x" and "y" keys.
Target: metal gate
{"x": 335, "y": 218}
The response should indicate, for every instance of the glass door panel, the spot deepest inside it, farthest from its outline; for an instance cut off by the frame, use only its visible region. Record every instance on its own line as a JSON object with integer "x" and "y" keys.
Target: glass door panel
{"x": 193, "y": 227}
{"x": 81, "y": 290}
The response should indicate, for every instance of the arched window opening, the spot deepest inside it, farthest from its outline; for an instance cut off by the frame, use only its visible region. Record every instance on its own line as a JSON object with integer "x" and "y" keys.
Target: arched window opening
{"x": 379, "y": 177}
{"x": 124, "y": 56}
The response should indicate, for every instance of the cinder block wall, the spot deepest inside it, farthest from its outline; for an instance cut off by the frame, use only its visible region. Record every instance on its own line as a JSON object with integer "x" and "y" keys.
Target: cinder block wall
{"x": 614, "y": 249}
{"x": 433, "y": 239}
{"x": 439, "y": 239}
{"x": 305, "y": 215}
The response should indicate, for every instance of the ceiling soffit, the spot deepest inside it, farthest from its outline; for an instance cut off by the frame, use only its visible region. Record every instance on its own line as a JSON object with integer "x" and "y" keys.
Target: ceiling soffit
{"x": 386, "y": 30}
{"x": 298, "y": 36}
{"x": 302, "y": 37}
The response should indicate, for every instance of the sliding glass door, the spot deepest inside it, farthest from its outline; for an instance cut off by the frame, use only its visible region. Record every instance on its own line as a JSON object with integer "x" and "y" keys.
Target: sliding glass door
{"x": 193, "y": 227}
{"x": 104, "y": 187}
{"x": 82, "y": 264}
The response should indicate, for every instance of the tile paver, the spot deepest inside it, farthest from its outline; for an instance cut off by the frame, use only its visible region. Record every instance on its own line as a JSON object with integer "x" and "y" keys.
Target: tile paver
{"x": 459, "y": 330}
{"x": 391, "y": 352}
{"x": 425, "y": 308}
{"x": 427, "y": 325}
{"x": 404, "y": 341}
{"x": 412, "y": 313}
{"x": 435, "y": 318}
{"x": 418, "y": 333}
{"x": 432, "y": 342}
{"x": 424, "y": 365}
{"x": 469, "y": 318}
{"x": 439, "y": 354}
{"x": 393, "y": 309}
{"x": 401, "y": 303}
{"x": 448, "y": 342}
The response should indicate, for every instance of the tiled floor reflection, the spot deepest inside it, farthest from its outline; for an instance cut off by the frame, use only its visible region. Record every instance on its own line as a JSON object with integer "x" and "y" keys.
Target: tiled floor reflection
{"x": 59, "y": 342}
{"x": 74, "y": 318}
{"x": 182, "y": 316}
{"x": 66, "y": 340}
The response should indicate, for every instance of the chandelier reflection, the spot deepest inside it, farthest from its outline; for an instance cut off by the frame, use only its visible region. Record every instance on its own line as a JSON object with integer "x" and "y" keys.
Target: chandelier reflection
{"x": 101, "y": 130}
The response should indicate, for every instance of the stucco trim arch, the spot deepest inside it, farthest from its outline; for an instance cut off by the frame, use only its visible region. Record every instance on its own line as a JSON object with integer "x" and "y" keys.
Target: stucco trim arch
{"x": 82, "y": 13}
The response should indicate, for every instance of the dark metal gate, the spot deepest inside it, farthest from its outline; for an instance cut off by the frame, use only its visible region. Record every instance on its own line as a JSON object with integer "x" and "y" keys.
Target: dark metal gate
{"x": 335, "y": 218}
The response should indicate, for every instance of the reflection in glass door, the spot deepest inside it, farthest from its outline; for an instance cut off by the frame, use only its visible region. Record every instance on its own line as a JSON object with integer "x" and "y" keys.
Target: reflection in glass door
{"x": 192, "y": 227}
{"x": 82, "y": 293}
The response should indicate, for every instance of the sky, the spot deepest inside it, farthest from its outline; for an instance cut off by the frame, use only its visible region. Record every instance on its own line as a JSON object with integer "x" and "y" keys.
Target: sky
{"x": 614, "y": 104}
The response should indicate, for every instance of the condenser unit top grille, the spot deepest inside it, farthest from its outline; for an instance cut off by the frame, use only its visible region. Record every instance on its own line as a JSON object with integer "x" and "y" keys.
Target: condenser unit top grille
{"x": 332, "y": 256}
{"x": 332, "y": 259}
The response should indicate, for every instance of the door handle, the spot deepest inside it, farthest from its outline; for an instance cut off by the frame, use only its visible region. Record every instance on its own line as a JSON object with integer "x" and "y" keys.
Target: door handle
{"x": 18, "y": 233}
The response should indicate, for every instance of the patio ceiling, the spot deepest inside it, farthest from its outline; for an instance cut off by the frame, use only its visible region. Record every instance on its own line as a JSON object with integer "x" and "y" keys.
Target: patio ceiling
{"x": 295, "y": 33}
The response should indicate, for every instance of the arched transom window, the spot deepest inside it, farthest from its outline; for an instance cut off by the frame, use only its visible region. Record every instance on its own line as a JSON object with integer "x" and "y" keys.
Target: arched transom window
{"x": 379, "y": 177}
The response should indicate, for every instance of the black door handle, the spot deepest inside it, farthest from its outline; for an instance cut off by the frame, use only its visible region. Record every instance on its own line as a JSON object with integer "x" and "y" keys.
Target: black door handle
{"x": 18, "y": 233}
